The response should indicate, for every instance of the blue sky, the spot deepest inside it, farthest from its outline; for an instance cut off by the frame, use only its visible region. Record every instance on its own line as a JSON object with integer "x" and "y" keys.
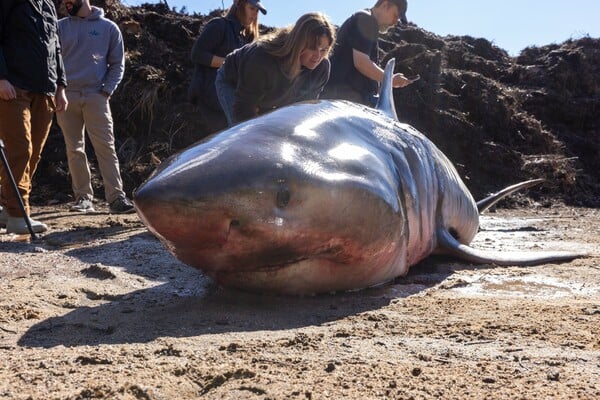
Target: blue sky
{"x": 509, "y": 24}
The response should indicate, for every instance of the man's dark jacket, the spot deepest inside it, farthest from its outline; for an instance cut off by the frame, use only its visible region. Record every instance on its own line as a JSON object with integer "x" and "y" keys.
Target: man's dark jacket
{"x": 30, "y": 56}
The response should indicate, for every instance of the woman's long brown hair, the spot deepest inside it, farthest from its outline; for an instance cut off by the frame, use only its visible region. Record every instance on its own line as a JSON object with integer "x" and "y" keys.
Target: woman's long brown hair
{"x": 238, "y": 10}
{"x": 287, "y": 43}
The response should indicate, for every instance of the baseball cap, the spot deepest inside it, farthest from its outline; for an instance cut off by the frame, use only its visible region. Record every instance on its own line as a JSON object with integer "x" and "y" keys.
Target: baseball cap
{"x": 258, "y": 4}
{"x": 402, "y": 7}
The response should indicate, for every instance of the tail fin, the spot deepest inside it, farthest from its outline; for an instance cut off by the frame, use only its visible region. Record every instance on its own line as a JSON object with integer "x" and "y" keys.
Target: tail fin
{"x": 489, "y": 201}
{"x": 448, "y": 245}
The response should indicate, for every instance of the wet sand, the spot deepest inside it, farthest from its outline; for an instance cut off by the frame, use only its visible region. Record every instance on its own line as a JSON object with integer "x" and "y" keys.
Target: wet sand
{"x": 98, "y": 309}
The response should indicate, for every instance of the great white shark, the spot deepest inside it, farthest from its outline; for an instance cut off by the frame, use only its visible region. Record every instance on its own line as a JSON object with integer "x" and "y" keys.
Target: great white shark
{"x": 318, "y": 196}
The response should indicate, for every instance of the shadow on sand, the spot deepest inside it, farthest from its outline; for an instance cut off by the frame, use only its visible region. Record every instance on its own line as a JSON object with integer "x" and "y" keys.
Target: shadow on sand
{"x": 185, "y": 303}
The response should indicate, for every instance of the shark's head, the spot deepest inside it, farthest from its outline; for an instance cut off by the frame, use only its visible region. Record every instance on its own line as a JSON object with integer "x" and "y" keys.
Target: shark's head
{"x": 296, "y": 201}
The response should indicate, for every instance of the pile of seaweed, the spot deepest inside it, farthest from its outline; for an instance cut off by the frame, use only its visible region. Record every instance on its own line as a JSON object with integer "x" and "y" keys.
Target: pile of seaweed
{"x": 500, "y": 119}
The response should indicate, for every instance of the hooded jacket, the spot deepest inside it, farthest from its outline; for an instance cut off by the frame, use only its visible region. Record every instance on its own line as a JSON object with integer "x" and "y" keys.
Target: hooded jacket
{"x": 93, "y": 52}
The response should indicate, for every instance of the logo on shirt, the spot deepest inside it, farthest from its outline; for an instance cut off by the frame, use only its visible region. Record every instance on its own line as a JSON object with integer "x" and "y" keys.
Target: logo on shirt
{"x": 94, "y": 33}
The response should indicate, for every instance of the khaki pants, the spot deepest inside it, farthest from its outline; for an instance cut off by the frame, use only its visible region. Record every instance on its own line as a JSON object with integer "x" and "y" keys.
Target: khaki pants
{"x": 90, "y": 111}
{"x": 24, "y": 126}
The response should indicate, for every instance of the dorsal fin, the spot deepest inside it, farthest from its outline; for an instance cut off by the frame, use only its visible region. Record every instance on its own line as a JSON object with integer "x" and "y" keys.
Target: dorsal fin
{"x": 385, "y": 103}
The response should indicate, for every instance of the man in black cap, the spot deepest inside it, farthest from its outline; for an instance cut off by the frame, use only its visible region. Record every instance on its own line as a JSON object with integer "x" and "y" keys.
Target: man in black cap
{"x": 355, "y": 71}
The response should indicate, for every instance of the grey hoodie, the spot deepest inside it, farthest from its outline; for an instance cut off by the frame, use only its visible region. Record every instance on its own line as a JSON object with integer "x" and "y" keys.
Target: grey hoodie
{"x": 92, "y": 50}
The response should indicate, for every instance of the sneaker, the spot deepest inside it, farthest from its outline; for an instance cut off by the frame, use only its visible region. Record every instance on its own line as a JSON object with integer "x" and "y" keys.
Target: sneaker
{"x": 122, "y": 205}
{"x": 3, "y": 217}
{"x": 83, "y": 205}
{"x": 19, "y": 226}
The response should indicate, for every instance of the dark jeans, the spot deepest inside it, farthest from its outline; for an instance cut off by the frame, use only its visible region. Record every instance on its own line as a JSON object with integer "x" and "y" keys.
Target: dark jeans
{"x": 225, "y": 93}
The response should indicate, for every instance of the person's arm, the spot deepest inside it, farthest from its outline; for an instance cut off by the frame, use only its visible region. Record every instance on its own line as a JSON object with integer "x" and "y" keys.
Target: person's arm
{"x": 368, "y": 68}
{"x": 7, "y": 90}
{"x": 247, "y": 97}
{"x": 363, "y": 40}
{"x": 60, "y": 97}
{"x": 253, "y": 84}
{"x": 211, "y": 36}
{"x": 115, "y": 60}
{"x": 216, "y": 61}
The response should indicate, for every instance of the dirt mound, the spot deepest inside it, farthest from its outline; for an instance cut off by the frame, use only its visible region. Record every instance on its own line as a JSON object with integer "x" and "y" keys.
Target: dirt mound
{"x": 530, "y": 116}
{"x": 499, "y": 119}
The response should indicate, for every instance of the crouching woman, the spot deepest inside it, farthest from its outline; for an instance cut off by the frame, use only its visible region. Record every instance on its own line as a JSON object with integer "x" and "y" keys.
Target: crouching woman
{"x": 284, "y": 67}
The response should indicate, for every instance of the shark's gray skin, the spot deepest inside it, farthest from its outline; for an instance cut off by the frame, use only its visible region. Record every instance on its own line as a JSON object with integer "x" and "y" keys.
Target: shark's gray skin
{"x": 316, "y": 197}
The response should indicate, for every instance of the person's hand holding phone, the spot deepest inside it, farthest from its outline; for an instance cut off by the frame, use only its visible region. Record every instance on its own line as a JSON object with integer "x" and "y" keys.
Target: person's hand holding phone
{"x": 400, "y": 80}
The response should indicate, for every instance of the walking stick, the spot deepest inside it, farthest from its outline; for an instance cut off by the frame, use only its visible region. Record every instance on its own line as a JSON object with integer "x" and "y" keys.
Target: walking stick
{"x": 16, "y": 189}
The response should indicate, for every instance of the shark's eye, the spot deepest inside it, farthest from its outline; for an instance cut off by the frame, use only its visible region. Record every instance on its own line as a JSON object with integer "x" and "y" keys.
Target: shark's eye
{"x": 283, "y": 197}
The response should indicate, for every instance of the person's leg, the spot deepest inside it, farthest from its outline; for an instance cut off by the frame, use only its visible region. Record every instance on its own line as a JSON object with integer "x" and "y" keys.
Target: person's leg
{"x": 3, "y": 217}
{"x": 15, "y": 131}
{"x": 71, "y": 124}
{"x": 25, "y": 126}
{"x": 42, "y": 111}
{"x": 225, "y": 93}
{"x": 99, "y": 126}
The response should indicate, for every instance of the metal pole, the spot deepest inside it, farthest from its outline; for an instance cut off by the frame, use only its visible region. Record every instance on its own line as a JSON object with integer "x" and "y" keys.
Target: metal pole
{"x": 16, "y": 189}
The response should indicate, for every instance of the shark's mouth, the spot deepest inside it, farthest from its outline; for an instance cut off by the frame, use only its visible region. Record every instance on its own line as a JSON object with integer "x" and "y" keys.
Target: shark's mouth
{"x": 282, "y": 264}
{"x": 259, "y": 251}
{"x": 266, "y": 264}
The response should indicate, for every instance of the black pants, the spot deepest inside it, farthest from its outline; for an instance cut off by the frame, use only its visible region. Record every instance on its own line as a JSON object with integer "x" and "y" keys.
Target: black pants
{"x": 344, "y": 92}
